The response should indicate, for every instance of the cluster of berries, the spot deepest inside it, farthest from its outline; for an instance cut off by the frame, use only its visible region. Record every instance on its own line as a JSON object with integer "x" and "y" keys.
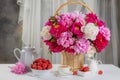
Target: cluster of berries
{"x": 86, "y": 69}
{"x": 41, "y": 64}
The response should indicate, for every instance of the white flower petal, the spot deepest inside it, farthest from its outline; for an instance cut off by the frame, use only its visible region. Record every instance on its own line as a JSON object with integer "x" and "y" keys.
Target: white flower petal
{"x": 45, "y": 33}
{"x": 90, "y": 31}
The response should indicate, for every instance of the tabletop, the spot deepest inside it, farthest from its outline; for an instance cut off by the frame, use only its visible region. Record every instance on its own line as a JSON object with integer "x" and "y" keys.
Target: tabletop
{"x": 110, "y": 72}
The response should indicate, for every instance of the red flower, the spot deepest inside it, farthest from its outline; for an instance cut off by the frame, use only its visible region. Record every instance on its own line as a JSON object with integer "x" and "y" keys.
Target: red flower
{"x": 91, "y": 18}
{"x": 51, "y": 21}
{"x": 57, "y": 29}
{"x": 100, "y": 23}
{"x": 76, "y": 29}
{"x": 69, "y": 50}
{"x": 48, "y": 23}
{"x": 100, "y": 43}
{"x": 53, "y": 46}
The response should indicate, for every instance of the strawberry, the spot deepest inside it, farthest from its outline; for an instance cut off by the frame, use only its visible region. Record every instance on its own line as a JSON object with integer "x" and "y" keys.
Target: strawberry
{"x": 35, "y": 61}
{"x": 43, "y": 68}
{"x": 31, "y": 65}
{"x": 34, "y": 66}
{"x": 100, "y": 72}
{"x": 86, "y": 69}
{"x": 39, "y": 60}
{"x": 81, "y": 68}
{"x": 48, "y": 61}
{"x": 75, "y": 73}
{"x": 39, "y": 68}
{"x": 43, "y": 60}
{"x": 39, "y": 64}
{"x": 49, "y": 66}
{"x": 44, "y": 65}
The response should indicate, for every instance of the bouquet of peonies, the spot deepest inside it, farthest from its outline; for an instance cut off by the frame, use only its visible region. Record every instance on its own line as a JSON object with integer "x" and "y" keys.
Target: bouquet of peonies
{"x": 75, "y": 33}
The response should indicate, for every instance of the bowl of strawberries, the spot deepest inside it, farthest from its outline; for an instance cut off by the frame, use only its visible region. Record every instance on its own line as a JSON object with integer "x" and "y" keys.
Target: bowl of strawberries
{"x": 41, "y": 66}
{"x": 84, "y": 71}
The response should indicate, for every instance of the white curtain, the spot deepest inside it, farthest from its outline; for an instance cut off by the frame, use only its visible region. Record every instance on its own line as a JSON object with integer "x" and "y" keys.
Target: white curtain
{"x": 34, "y": 13}
{"x": 29, "y": 16}
{"x": 107, "y": 11}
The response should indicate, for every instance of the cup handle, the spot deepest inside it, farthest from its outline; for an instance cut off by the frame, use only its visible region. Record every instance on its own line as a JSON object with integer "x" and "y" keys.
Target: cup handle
{"x": 19, "y": 51}
{"x": 99, "y": 62}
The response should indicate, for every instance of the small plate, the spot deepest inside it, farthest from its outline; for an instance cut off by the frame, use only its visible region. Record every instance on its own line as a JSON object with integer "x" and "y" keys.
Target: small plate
{"x": 57, "y": 73}
{"x": 89, "y": 73}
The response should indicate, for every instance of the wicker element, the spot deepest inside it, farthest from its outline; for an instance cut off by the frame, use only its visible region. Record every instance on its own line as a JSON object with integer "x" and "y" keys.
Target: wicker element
{"x": 74, "y": 61}
{"x": 67, "y": 3}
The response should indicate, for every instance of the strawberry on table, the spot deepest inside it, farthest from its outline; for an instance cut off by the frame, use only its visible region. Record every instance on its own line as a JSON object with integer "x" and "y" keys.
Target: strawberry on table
{"x": 75, "y": 73}
{"x": 86, "y": 69}
{"x": 100, "y": 72}
{"x": 81, "y": 68}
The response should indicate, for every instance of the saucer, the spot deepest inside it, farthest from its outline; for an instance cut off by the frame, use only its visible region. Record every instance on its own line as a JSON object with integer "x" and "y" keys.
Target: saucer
{"x": 57, "y": 73}
{"x": 84, "y": 74}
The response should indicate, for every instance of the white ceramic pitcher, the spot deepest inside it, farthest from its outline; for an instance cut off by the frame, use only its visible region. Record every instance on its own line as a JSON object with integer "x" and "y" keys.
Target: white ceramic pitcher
{"x": 93, "y": 64}
{"x": 26, "y": 55}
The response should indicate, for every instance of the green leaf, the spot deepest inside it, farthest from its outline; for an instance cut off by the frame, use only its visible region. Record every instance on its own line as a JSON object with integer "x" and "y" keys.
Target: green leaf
{"x": 49, "y": 52}
{"x": 95, "y": 56}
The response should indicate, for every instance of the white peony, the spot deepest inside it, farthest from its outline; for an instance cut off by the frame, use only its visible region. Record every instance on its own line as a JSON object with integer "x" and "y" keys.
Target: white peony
{"x": 90, "y": 31}
{"x": 45, "y": 33}
{"x": 91, "y": 51}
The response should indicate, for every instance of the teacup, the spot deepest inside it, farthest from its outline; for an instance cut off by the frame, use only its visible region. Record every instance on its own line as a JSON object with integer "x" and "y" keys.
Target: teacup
{"x": 64, "y": 69}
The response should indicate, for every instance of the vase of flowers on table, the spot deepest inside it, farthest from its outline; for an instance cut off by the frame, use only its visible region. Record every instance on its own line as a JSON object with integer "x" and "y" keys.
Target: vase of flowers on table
{"x": 73, "y": 34}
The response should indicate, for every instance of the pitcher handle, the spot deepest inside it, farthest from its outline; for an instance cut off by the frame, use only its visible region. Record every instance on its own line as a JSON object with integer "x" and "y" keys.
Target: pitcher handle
{"x": 19, "y": 51}
{"x": 99, "y": 62}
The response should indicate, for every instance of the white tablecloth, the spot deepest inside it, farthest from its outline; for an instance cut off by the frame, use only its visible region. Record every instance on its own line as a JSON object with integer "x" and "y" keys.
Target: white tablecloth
{"x": 111, "y": 72}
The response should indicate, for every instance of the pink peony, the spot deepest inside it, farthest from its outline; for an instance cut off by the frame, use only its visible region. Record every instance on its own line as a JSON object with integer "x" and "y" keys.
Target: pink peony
{"x": 65, "y": 39}
{"x": 91, "y": 18}
{"x": 78, "y": 17}
{"x": 65, "y": 19}
{"x": 105, "y": 32}
{"x": 19, "y": 68}
{"x": 76, "y": 30}
{"x": 81, "y": 46}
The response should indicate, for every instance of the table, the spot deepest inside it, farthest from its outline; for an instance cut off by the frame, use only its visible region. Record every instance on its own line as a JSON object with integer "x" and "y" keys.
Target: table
{"x": 111, "y": 72}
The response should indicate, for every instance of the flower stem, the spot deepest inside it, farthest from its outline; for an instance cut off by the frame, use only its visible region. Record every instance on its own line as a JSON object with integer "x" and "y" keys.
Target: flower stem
{"x": 95, "y": 56}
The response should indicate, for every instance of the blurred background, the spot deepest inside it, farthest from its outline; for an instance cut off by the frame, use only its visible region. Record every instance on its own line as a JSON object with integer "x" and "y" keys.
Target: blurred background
{"x": 22, "y": 20}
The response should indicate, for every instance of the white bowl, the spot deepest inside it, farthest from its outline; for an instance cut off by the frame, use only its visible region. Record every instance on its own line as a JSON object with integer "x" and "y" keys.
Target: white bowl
{"x": 41, "y": 72}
